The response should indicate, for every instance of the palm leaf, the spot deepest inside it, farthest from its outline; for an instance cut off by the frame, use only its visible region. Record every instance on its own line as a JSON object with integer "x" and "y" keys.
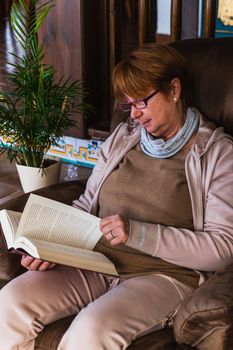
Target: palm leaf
{"x": 26, "y": 21}
{"x": 36, "y": 109}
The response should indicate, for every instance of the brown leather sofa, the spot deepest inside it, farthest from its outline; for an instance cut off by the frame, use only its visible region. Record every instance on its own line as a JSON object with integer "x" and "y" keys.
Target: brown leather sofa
{"x": 205, "y": 319}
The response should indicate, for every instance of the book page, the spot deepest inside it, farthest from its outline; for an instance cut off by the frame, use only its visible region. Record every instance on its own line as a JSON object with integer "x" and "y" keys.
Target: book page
{"x": 76, "y": 257}
{"x": 48, "y": 220}
{"x": 9, "y": 222}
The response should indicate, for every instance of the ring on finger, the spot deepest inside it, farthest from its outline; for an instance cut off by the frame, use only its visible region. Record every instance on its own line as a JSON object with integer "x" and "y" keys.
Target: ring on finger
{"x": 111, "y": 235}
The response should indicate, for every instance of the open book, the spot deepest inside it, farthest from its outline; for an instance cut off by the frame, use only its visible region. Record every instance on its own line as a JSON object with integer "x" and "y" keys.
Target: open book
{"x": 55, "y": 232}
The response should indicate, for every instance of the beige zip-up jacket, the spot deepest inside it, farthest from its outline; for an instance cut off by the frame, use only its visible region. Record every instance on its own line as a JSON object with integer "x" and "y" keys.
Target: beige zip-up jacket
{"x": 209, "y": 171}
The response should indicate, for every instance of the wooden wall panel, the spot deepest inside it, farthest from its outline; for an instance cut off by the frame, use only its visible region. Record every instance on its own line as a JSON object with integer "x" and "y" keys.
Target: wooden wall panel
{"x": 85, "y": 39}
{"x": 61, "y": 35}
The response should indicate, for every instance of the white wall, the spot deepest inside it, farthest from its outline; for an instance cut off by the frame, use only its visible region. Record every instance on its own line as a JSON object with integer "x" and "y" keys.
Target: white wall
{"x": 200, "y": 17}
{"x": 163, "y": 16}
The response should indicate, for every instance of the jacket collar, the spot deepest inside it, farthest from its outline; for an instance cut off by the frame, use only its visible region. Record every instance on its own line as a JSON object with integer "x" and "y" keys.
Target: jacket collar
{"x": 207, "y": 135}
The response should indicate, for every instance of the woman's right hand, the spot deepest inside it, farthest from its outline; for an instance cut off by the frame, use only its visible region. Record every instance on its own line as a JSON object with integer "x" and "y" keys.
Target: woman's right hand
{"x": 33, "y": 264}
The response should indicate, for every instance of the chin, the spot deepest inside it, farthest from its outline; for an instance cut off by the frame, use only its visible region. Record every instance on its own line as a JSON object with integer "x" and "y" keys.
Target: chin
{"x": 152, "y": 132}
{"x": 156, "y": 134}
{"x": 149, "y": 129}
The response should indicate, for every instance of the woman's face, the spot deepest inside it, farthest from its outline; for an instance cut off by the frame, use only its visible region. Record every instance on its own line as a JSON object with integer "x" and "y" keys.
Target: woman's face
{"x": 163, "y": 116}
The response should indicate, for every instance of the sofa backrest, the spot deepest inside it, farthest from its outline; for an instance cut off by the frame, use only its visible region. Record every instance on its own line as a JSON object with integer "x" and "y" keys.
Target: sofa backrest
{"x": 211, "y": 72}
{"x": 211, "y": 76}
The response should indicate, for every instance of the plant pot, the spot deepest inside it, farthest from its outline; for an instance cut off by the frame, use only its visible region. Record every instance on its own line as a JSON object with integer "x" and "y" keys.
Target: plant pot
{"x": 32, "y": 178}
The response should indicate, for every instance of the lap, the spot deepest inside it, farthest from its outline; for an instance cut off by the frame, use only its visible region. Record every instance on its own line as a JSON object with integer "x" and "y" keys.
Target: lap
{"x": 134, "y": 307}
{"x": 108, "y": 315}
{"x": 63, "y": 291}
{"x": 54, "y": 293}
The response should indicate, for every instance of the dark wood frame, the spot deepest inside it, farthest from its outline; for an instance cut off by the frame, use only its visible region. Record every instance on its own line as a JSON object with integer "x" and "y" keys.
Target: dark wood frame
{"x": 209, "y": 16}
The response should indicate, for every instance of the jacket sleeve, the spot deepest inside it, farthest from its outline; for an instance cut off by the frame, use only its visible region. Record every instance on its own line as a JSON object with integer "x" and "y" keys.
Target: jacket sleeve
{"x": 205, "y": 250}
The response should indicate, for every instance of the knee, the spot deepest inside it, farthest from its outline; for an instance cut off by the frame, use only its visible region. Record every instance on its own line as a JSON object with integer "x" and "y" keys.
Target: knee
{"x": 12, "y": 313}
{"x": 17, "y": 318}
{"x": 91, "y": 330}
{"x": 85, "y": 328}
{"x": 18, "y": 306}
{"x": 89, "y": 322}
{"x": 14, "y": 300}
{"x": 10, "y": 297}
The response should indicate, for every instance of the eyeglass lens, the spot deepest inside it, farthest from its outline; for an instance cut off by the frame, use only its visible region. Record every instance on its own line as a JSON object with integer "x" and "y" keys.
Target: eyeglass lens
{"x": 139, "y": 104}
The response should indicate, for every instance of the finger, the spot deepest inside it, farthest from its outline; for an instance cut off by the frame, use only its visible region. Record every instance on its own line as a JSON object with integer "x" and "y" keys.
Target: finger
{"x": 45, "y": 265}
{"x": 120, "y": 236}
{"x": 108, "y": 228}
{"x": 34, "y": 266}
{"x": 116, "y": 240}
{"x": 26, "y": 260}
{"x": 109, "y": 236}
{"x": 112, "y": 226}
{"x": 117, "y": 218}
{"x": 38, "y": 264}
{"x": 106, "y": 221}
{"x": 51, "y": 266}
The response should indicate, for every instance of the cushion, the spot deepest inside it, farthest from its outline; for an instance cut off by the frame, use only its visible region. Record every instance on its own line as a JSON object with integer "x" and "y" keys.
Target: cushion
{"x": 205, "y": 318}
{"x": 9, "y": 263}
{"x": 9, "y": 266}
{"x": 50, "y": 337}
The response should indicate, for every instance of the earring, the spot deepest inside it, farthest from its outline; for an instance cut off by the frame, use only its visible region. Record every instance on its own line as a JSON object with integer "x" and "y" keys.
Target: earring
{"x": 174, "y": 99}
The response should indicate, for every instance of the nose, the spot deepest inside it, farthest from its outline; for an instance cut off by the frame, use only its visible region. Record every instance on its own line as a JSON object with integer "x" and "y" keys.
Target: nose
{"x": 135, "y": 113}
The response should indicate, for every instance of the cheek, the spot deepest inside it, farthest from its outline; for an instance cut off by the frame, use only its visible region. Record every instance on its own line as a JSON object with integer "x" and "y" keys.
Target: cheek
{"x": 159, "y": 115}
{"x": 164, "y": 111}
{"x": 160, "y": 110}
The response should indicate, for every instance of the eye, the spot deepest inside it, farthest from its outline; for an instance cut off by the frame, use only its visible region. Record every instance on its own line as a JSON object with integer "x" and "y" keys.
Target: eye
{"x": 125, "y": 107}
{"x": 139, "y": 103}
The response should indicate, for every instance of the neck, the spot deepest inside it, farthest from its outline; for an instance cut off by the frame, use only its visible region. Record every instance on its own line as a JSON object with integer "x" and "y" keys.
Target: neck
{"x": 159, "y": 148}
{"x": 175, "y": 130}
{"x": 177, "y": 121}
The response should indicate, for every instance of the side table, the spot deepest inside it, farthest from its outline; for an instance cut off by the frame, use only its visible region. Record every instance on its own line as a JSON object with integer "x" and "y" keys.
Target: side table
{"x": 10, "y": 186}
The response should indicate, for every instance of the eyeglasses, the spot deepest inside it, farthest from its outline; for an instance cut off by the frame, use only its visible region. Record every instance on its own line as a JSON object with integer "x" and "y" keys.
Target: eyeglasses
{"x": 139, "y": 104}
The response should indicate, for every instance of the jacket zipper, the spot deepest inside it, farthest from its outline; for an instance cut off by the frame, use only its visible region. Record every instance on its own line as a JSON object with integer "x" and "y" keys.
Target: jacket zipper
{"x": 168, "y": 322}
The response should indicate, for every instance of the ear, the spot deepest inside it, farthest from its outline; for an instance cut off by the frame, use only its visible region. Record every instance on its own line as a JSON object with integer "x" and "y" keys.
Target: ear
{"x": 175, "y": 89}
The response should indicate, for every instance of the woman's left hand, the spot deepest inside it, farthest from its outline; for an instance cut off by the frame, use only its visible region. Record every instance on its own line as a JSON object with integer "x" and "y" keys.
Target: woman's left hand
{"x": 115, "y": 229}
{"x": 33, "y": 264}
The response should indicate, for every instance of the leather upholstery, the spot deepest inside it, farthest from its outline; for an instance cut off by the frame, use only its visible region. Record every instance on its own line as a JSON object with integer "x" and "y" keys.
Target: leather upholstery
{"x": 205, "y": 319}
{"x": 211, "y": 74}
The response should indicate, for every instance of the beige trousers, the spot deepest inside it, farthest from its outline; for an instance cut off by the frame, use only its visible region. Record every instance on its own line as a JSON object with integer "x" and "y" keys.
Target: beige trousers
{"x": 110, "y": 313}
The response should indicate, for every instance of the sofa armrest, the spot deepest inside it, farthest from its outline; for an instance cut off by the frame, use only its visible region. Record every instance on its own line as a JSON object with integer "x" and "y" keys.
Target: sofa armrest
{"x": 64, "y": 192}
{"x": 205, "y": 318}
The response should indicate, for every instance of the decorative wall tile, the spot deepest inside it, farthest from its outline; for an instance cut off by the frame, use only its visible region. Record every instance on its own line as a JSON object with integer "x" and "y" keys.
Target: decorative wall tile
{"x": 79, "y": 151}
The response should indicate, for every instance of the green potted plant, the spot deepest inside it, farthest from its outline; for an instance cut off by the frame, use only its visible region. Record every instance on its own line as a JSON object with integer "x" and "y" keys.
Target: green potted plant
{"x": 36, "y": 109}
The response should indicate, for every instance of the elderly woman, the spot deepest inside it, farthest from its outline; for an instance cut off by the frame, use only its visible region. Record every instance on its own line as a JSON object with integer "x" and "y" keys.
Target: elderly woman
{"x": 163, "y": 188}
